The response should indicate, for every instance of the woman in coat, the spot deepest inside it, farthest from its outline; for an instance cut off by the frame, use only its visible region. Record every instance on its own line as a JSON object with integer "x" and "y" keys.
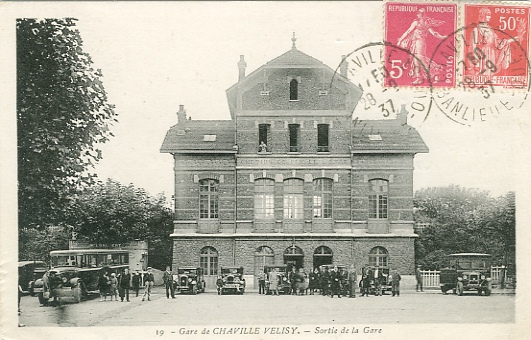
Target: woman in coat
{"x": 273, "y": 281}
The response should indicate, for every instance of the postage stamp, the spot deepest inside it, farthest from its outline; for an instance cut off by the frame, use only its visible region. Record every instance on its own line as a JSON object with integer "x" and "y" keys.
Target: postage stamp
{"x": 416, "y": 29}
{"x": 496, "y": 41}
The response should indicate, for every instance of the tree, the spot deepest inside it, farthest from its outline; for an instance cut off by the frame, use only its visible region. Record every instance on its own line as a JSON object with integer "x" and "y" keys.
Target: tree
{"x": 39, "y": 243}
{"x": 62, "y": 115}
{"x": 110, "y": 213}
{"x": 461, "y": 220}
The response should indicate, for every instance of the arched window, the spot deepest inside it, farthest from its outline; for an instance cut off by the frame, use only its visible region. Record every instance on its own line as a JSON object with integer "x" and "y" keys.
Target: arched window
{"x": 378, "y": 198}
{"x": 293, "y": 89}
{"x": 208, "y": 198}
{"x": 322, "y": 255}
{"x": 293, "y": 198}
{"x": 263, "y": 256}
{"x": 264, "y": 198}
{"x": 293, "y": 256}
{"x": 378, "y": 256}
{"x": 208, "y": 260}
{"x": 322, "y": 198}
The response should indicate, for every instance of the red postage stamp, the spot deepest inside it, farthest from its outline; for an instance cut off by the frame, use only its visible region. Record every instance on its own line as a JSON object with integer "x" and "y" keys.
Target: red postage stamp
{"x": 496, "y": 42}
{"x": 413, "y": 32}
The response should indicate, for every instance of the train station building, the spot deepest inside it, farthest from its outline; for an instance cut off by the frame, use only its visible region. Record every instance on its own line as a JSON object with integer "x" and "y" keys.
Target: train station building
{"x": 291, "y": 178}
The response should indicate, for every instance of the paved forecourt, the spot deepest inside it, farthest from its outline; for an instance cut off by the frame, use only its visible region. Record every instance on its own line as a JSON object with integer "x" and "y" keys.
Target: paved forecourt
{"x": 252, "y": 309}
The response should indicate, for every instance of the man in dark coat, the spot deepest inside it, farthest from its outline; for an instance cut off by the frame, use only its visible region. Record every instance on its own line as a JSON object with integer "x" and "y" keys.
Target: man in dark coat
{"x": 124, "y": 281}
{"x": 292, "y": 278}
{"x": 325, "y": 277}
{"x": 395, "y": 282}
{"x": 335, "y": 282}
{"x": 366, "y": 275}
{"x": 168, "y": 283}
{"x": 352, "y": 281}
{"x": 137, "y": 280}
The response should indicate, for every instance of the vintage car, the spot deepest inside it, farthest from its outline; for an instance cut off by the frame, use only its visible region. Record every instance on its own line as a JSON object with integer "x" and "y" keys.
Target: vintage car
{"x": 282, "y": 277}
{"x": 63, "y": 284}
{"x": 466, "y": 272}
{"x": 232, "y": 280}
{"x": 28, "y": 272}
{"x": 189, "y": 280}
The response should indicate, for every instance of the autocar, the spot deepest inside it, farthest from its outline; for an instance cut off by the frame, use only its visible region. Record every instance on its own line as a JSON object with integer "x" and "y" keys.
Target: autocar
{"x": 189, "y": 280}
{"x": 282, "y": 277}
{"x": 467, "y": 272}
{"x": 28, "y": 272}
{"x": 63, "y": 284}
{"x": 233, "y": 280}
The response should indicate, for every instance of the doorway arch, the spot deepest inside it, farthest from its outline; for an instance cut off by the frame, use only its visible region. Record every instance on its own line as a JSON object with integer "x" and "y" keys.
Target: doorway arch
{"x": 293, "y": 256}
{"x": 322, "y": 255}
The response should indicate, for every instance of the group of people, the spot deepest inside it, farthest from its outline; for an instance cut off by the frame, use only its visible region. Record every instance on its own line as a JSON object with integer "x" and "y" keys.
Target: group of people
{"x": 119, "y": 284}
{"x": 330, "y": 282}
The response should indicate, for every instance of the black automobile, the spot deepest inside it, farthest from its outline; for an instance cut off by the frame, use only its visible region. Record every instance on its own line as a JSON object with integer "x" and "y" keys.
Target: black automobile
{"x": 28, "y": 272}
{"x": 284, "y": 286}
{"x": 233, "y": 280}
{"x": 467, "y": 272}
{"x": 63, "y": 285}
{"x": 189, "y": 280}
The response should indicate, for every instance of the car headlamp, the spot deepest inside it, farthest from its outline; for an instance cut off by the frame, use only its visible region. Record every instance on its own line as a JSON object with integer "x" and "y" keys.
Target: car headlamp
{"x": 189, "y": 280}
{"x": 64, "y": 279}
{"x": 284, "y": 279}
{"x": 194, "y": 282}
{"x": 483, "y": 277}
{"x": 459, "y": 279}
{"x": 465, "y": 277}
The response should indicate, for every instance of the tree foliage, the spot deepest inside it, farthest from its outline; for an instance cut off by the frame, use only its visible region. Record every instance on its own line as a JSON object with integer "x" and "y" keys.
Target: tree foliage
{"x": 39, "y": 243}
{"x": 62, "y": 114}
{"x": 464, "y": 220}
{"x": 111, "y": 213}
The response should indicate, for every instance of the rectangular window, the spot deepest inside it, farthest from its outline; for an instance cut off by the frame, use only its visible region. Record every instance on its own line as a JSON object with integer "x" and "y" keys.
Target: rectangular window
{"x": 322, "y": 199}
{"x": 263, "y": 137}
{"x": 294, "y": 136}
{"x": 264, "y": 199}
{"x": 208, "y": 198}
{"x": 293, "y": 198}
{"x": 322, "y": 138}
{"x": 378, "y": 199}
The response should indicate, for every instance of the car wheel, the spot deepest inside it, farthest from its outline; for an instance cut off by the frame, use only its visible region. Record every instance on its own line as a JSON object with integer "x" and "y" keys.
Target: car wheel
{"x": 42, "y": 300}
{"x": 444, "y": 290}
{"x": 221, "y": 291}
{"x": 479, "y": 291}
{"x": 460, "y": 288}
{"x": 487, "y": 292}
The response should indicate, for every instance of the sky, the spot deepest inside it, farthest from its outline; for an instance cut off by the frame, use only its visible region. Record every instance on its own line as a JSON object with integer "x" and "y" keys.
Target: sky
{"x": 156, "y": 56}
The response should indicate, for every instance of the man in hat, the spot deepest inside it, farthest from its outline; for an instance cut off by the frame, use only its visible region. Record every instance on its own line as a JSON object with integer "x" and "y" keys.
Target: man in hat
{"x": 149, "y": 279}
{"x": 168, "y": 283}
{"x": 418, "y": 276}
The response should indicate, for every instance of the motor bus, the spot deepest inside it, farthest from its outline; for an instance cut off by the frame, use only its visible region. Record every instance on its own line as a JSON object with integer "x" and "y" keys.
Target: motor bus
{"x": 74, "y": 274}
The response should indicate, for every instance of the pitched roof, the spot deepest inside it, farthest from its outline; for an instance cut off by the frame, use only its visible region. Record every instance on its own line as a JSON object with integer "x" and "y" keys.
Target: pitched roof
{"x": 193, "y": 137}
{"x": 294, "y": 58}
{"x": 394, "y": 137}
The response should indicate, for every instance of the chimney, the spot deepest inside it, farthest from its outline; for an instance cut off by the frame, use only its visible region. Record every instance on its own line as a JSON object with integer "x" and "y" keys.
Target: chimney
{"x": 241, "y": 67}
{"x": 344, "y": 66}
{"x": 181, "y": 120}
{"x": 402, "y": 115}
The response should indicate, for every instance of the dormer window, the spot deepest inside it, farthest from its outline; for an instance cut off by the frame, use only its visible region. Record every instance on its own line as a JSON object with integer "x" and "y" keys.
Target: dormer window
{"x": 293, "y": 89}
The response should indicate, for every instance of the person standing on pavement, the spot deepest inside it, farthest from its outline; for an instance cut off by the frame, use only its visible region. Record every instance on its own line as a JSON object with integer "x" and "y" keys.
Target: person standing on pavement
{"x": 335, "y": 282}
{"x": 325, "y": 281}
{"x": 149, "y": 279}
{"x": 273, "y": 281}
{"x": 291, "y": 279}
{"x": 395, "y": 282}
{"x": 352, "y": 281}
{"x": 168, "y": 283}
{"x": 378, "y": 278}
{"x": 137, "y": 279}
{"x": 124, "y": 284}
{"x": 366, "y": 274}
{"x": 114, "y": 286}
{"x": 104, "y": 286}
{"x": 261, "y": 282}
{"x": 418, "y": 276}
{"x": 313, "y": 279}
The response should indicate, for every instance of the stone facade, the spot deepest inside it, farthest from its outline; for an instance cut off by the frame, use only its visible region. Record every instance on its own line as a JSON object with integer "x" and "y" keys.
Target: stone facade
{"x": 291, "y": 178}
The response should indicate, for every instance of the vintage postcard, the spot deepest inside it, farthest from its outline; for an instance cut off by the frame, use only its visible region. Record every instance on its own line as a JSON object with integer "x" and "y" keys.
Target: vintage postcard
{"x": 264, "y": 170}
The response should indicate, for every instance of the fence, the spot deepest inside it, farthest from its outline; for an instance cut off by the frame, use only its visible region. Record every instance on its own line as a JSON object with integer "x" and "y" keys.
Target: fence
{"x": 430, "y": 278}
